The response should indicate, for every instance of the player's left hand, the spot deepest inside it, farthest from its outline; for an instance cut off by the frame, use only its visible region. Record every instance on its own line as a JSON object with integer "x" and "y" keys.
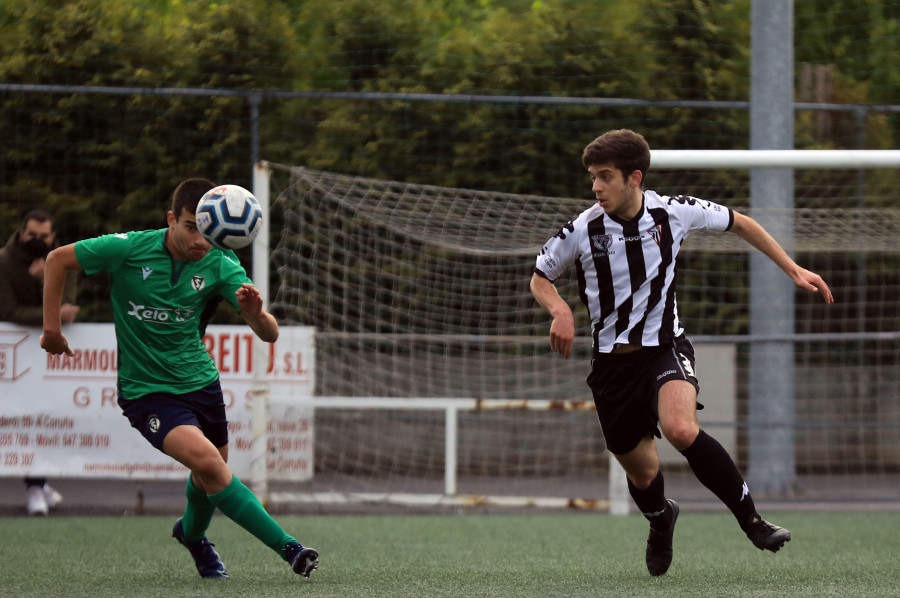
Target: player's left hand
{"x": 813, "y": 282}
{"x": 249, "y": 299}
{"x": 260, "y": 321}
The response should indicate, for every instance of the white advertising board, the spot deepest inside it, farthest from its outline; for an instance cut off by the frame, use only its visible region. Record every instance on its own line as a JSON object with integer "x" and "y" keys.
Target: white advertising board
{"x": 59, "y": 416}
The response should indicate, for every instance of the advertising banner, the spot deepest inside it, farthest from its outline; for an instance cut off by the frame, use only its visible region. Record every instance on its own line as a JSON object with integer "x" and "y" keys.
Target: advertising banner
{"x": 59, "y": 416}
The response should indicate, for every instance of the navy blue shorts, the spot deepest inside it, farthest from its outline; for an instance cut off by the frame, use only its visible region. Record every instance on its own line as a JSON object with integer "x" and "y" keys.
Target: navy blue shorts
{"x": 156, "y": 414}
{"x": 626, "y": 390}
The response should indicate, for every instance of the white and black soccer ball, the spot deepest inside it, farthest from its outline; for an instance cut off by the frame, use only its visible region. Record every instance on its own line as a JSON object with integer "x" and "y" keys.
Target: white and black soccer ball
{"x": 229, "y": 217}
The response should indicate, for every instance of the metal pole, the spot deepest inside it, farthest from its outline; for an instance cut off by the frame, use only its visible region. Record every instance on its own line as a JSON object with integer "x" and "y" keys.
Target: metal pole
{"x": 771, "y": 409}
{"x": 861, "y": 116}
{"x": 451, "y": 440}
{"x": 259, "y": 386}
{"x": 255, "y": 99}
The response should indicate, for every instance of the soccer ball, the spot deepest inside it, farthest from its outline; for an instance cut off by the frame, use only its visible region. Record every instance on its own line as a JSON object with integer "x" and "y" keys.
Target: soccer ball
{"x": 229, "y": 217}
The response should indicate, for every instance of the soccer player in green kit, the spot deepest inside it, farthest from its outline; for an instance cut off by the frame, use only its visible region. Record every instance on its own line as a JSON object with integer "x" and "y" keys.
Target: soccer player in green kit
{"x": 165, "y": 284}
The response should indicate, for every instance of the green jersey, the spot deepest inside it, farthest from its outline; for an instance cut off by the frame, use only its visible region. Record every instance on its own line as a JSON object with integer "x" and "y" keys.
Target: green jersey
{"x": 158, "y": 307}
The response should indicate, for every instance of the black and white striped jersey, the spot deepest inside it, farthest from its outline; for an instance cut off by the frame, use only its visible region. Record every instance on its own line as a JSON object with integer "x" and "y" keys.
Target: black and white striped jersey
{"x": 626, "y": 270}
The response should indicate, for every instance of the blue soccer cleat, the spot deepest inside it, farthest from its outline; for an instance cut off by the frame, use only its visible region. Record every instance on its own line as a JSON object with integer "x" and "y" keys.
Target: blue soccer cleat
{"x": 207, "y": 560}
{"x": 303, "y": 560}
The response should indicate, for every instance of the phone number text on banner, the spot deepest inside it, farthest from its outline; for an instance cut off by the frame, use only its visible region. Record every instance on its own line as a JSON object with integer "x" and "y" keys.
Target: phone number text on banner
{"x": 59, "y": 416}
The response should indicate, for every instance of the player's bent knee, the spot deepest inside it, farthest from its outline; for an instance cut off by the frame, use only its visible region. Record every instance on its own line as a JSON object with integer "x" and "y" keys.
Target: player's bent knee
{"x": 681, "y": 436}
{"x": 641, "y": 474}
{"x": 207, "y": 463}
{"x": 213, "y": 476}
{"x": 643, "y": 479}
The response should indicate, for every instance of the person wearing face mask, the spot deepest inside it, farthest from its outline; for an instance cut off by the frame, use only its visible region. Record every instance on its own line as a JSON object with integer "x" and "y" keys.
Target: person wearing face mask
{"x": 21, "y": 301}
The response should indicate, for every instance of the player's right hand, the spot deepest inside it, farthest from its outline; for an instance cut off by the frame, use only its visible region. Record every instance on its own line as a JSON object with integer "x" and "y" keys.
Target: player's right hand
{"x": 56, "y": 343}
{"x": 562, "y": 335}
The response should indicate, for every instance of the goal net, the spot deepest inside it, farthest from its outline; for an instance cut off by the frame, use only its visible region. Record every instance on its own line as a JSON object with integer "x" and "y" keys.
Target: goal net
{"x": 422, "y": 293}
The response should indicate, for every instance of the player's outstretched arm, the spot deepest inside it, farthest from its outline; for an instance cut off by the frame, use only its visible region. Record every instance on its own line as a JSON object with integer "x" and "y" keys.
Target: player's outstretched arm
{"x": 562, "y": 329}
{"x": 260, "y": 321}
{"x": 59, "y": 262}
{"x": 751, "y": 231}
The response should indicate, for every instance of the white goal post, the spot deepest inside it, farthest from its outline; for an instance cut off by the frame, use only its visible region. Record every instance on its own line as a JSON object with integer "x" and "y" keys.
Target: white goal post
{"x": 812, "y": 159}
{"x": 421, "y": 349}
{"x": 449, "y": 408}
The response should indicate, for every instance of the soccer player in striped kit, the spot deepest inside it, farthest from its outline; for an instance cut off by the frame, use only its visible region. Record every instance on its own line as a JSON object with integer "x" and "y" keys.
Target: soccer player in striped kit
{"x": 642, "y": 376}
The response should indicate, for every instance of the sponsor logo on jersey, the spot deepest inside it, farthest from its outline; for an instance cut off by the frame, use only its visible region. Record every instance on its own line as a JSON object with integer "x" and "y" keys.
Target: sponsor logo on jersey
{"x": 162, "y": 315}
{"x": 548, "y": 259}
{"x": 145, "y": 272}
{"x": 197, "y": 282}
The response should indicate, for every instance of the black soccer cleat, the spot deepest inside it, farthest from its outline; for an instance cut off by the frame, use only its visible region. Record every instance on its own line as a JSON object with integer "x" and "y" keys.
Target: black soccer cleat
{"x": 207, "y": 560}
{"x": 659, "y": 545}
{"x": 303, "y": 560}
{"x": 766, "y": 536}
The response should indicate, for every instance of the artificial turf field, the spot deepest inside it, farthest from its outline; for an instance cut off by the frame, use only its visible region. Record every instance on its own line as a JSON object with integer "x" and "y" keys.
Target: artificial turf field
{"x": 489, "y": 555}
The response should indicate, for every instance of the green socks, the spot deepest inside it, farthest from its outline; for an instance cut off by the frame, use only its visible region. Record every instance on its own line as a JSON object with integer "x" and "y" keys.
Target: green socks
{"x": 197, "y": 513}
{"x": 240, "y": 505}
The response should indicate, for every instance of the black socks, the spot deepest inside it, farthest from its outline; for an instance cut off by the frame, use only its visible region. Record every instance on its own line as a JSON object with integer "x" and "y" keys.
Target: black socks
{"x": 652, "y": 502}
{"x": 715, "y": 469}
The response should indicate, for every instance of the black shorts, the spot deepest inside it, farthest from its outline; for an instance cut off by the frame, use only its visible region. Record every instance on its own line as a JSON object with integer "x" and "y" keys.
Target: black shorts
{"x": 626, "y": 390}
{"x": 156, "y": 414}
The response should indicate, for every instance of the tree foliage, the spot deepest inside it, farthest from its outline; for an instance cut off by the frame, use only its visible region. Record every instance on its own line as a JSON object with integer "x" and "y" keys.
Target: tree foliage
{"x": 108, "y": 162}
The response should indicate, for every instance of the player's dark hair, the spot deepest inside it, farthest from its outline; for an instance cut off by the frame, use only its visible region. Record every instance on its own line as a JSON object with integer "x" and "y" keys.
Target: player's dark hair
{"x": 39, "y": 214}
{"x": 626, "y": 150}
{"x": 187, "y": 195}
